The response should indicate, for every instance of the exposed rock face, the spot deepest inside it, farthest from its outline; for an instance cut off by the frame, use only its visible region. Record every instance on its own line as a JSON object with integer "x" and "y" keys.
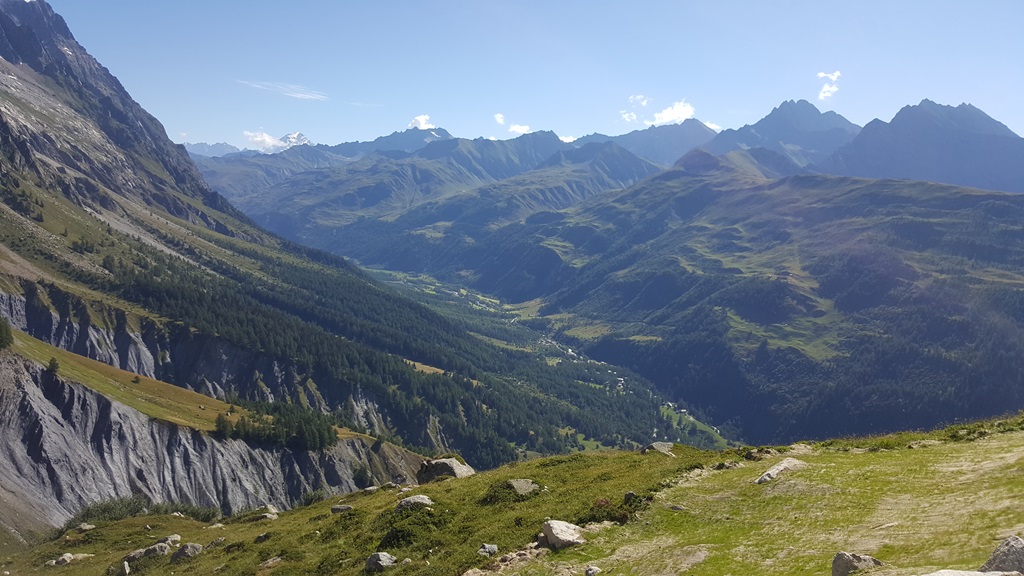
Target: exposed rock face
{"x": 432, "y": 469}
{"x": 561, "y": 534}
{"x": 1009, "y": 556}
{"x": 845, "y": 563}
{"x": 70, "y": 446}
{"x": 784, "y": 466}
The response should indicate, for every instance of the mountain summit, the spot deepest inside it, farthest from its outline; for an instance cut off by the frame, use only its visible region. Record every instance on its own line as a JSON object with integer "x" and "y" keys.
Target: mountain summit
{"x": 795, "y": 129}
{"x": 956, "y": 145}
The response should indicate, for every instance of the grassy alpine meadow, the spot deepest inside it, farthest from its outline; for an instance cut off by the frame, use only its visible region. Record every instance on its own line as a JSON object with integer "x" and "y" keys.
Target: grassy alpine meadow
{"x": 918, "y": 501}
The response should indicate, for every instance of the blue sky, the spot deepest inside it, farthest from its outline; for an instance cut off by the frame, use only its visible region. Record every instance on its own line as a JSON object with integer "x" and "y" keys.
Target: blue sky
{"x": 230, "y": 70}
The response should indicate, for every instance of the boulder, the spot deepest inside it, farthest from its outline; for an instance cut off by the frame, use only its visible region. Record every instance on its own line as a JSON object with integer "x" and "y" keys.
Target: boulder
{"x": 158, "y": 549}
{"x": 559, "y": 534}
{"x": 417, "y": 501}
{"x": 1008, "y": 557}
{"x": 172, "y": 540}
{"x": 83, "y": 527}
{"x": 432, "y": 469}
{"x": 186, "y": 552}
{"x": 663, "y": 447}
{"x": 64, "y": 559}
{"x": 523, "y": 486}
{"x": 371, "y": 489}
{"x": 784, "y": 466}
{"x": 339, "y": 508}
{"x": 488, "y": 549}
{"x": 845, "y": 563}
{"x": 268, "y": 516}
{"x": 592, "y": 571}
{"x": 379, "y": 561}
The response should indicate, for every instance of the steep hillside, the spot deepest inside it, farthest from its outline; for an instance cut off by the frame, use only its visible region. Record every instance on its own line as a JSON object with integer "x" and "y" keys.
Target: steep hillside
{"x": 796, "y": 130}
{"x": 956, "y": 145}
{"x": 917, "y": 502}
{"x": 112, "y": 246}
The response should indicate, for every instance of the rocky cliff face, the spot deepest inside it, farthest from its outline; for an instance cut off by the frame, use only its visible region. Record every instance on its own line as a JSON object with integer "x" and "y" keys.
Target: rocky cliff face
{"x": 67, "y": 446}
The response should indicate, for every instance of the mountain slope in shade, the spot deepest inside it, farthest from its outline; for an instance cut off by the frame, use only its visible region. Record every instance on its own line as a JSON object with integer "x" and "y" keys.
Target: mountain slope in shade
{"x": 795, "y": 129}
{"x": 957, "y": 145}
{"x": 660, "y": 144}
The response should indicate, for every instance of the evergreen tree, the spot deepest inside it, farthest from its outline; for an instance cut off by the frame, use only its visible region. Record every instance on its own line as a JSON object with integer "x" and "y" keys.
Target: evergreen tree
{"x": 6, "y": 337}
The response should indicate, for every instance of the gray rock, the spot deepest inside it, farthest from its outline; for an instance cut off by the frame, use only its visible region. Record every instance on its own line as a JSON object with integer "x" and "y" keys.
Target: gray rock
{"x": 216, "y": 542}
{"x": 487, "y": 550}
{"x": 523, "y": 486}
{"x": 432, "y": 469}
{"x": 186, "y": 552}
{"x": 339, "y": 508}
{"x": 173, "y": 540}
{"x": 379, "y": 561}
{"x": 416, "y": 501}
{"x": 559, "y": 534}
{"x": 83, "y": 527}
{"x": 158, "y": 549}
{"x": 271, "y": 509}
{"x": 64, "y": 559}
{"x": 970, "y": 573}
{"x": 388, "y": 486}
{"x": 592, "y": 571}
{"x": 662, "y": 447}
{"x": 845, "y": 563}
{"x": 270, "y": 563}
{"x": 268, "y": 516}
{"x": 125, "y": 568}
{"x": 262, "y": 538}
{"x": 775, "y": 471}
{"x": 1009, "y": 556}
{"x": 371, "y": 489}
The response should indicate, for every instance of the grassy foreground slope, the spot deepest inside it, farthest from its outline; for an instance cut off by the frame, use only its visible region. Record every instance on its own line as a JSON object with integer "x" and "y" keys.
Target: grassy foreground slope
{"x": 946, "y": 503}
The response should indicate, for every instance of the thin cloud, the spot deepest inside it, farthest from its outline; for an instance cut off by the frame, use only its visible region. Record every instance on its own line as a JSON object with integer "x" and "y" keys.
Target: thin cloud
{"x": 518, "y": 129}
{"x": 499, "y": 118}
{"x": 290, "y": 90}
{"x": 639, "y": 99}
{"x": 422, "y": 122}
{"x": 674, "y": 114}
{"x": 830, "y": 87}
{"x": 627, "y": 115}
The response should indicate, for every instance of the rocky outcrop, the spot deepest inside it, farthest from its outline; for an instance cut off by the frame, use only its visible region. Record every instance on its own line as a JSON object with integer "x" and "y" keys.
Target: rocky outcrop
{"x": 1009, "y": 556}
{"x": 846, "y": 563}
{"x": 379, "y": 561}
{"x": 775, "y": 471}
{"x": 68, "y": 446}
{"x": 442, "y": 467}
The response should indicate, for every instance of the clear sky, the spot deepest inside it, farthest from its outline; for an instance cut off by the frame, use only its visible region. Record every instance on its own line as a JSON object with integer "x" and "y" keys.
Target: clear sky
{"x": 340, "y": 71}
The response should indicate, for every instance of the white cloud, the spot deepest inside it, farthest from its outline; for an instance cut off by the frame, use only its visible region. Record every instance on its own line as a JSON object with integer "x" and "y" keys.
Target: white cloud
{"x": 674, "y": 114}
{"x": 499, "y": 118}
{"x": 627, "y": 115}
{"x": 713, "y": 126}
{"x": 264, "y": 142}
{"x": 568, "y": 139}
{"x": 422, "y": 122}
{"x": 291, "y": 90}
{"x": 827, "y": 91}
{"x": 830, "y": 87}
{"x": 518, "y": 129}
{"x": 639, "y": 99}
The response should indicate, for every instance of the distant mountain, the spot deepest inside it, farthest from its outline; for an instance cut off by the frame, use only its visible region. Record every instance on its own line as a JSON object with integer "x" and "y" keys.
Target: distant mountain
{"x": 295, "y": 139}
{"x": 956, "y": 145}
{"x": 210, "y": 150}
{"x": 659, "y": 144}
{"x": 795, "y": 129}
{"x": 409, "y": 140}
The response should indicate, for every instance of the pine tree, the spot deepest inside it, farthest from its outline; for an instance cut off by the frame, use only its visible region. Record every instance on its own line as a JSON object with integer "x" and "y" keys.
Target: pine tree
{"x": 6, "y": 337}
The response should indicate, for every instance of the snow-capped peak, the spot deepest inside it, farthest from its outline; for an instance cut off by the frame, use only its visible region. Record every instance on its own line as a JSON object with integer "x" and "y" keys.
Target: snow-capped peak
{"x": 295, "y": 139}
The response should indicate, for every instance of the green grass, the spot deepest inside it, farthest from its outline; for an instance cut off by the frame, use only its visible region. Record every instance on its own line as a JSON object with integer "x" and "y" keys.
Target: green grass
{"x": 942, "y": 505}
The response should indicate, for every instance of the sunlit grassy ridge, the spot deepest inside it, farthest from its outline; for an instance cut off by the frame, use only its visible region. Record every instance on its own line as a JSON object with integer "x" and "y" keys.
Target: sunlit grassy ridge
{"x": 945, "y": 503}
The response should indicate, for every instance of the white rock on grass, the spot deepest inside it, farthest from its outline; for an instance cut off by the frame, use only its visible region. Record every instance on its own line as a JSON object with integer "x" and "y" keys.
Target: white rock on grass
{"x": 559, "y": 534}
{"x": 774, "y": 472}
{"x": 417, "y": 501}
{"x": 379, "y": 561}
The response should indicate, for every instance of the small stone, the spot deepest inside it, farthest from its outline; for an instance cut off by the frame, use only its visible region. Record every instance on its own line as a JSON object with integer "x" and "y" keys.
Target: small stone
{"x": 270, "y": 563}
{"x": 388, "y": 486}
{"x": 217, "y": 525}
{"x": 268, "y": 516}
{"x": 379, "y": 561}
{"x": 177, "y": 514}
{"x": 83, "y": 527}
{"x": 415, "y": 502}
{"x": 339, "y": 508}
{"x": 216, "y": 543}
{"x": 186, "y": 552}
{"x": 592, "y": 571}
{"x": 845, "y": 563}
{"x": 487, "y": 550}
{"x": 370, "y": 489}
{"x": 51, "y": 562}
{"x": 407, "y": 561}
{"x": 677, "y": 507}
{"x": 406, "y": 489}
{"x": 262, "y": 538}
{"x": 64, "y": 559}
{"x": 126, "y": 568}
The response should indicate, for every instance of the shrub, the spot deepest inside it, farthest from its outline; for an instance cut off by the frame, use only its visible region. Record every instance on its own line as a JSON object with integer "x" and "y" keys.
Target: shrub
{"x": 6, "y": 337}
